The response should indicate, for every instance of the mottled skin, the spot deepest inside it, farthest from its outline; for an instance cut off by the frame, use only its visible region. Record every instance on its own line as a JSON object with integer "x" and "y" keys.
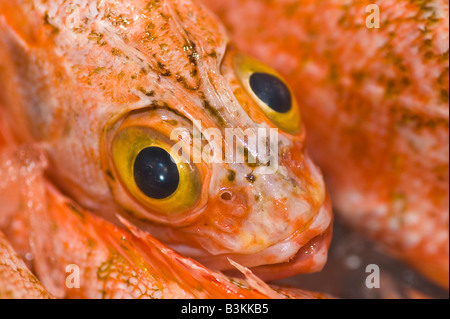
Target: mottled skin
{"x": 111, "y": 262}
{"x": 375, "y": 103}
{"x": 72, "y": 73}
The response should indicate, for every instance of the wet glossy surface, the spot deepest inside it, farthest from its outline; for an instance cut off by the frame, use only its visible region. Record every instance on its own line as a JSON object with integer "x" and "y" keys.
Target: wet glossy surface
{"x": 155, "y": 173}
{"x": 271, "y": 91}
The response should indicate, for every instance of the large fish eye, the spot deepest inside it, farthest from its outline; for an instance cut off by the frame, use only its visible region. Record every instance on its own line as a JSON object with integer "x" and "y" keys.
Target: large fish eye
{"x": 159, "y": 178}
{"x": 156, "y": 173}
{"x": 270, "y": 92}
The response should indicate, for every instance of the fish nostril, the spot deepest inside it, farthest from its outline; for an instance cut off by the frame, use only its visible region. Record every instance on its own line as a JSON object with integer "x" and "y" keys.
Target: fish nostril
{"x": 226, "y": 196}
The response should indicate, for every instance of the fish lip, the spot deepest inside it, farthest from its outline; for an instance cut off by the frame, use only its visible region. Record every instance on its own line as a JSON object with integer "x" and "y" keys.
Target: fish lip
{"x": 303, "y": 252}
{"x": 308, "y": 258}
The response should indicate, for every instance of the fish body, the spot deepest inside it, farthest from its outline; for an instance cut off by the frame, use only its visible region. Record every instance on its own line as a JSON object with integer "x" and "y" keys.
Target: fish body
{"x": 371, "y": 78}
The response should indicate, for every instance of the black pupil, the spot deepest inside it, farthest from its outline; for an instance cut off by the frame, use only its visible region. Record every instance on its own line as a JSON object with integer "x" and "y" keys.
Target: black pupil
{"x": 155, "y": 173}
{"x": 272, "y": 91}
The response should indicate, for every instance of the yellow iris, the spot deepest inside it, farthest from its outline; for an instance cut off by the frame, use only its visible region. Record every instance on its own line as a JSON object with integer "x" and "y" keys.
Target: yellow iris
{"x": 289, "y": 118}
{"x": 128, "y": 143}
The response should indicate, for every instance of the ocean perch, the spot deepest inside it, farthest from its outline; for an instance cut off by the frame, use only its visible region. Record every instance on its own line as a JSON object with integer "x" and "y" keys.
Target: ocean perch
{"x": 84, "y": 256}
{"x": 375, "y": 102}
{"x": 94, "y": 90}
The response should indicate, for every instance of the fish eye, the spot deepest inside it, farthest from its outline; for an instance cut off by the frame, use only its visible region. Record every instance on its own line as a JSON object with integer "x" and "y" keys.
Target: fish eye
{"x": 156, "y": 173}
{"x": 270, "y": 91}
{"x": 160, "y": 179}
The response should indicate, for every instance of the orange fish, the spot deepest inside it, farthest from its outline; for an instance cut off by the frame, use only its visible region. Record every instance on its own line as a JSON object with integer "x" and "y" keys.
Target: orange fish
{"x": 78, "y": 255}
{"x": 107, "y": 90}
{"x": 371, "y": 78}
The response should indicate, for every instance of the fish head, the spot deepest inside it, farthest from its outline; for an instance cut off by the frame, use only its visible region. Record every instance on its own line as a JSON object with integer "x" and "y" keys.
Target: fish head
{"x": 151, "y": 114}
{"x": 213, "y": 160}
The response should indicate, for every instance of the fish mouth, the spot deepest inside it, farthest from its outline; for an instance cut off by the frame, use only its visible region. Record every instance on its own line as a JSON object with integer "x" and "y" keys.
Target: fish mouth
{"x": 310, "y": 258}
{"x": 304, "y": 251}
